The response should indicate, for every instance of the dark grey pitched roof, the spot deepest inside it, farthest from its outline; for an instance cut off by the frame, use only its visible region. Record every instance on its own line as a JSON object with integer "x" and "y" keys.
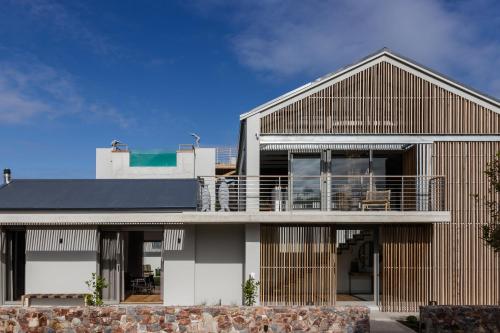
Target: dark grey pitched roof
{"x": 99, "y": 194}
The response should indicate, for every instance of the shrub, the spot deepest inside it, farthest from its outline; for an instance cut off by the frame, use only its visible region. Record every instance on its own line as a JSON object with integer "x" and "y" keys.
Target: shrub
{"x": 96, "y": 285}
{"x": 250, "y": 289}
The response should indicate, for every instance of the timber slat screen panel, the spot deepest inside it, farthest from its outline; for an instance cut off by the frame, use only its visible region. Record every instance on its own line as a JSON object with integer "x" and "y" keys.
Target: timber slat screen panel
{"x": 406, "y": 270}
{"x": 382, "y": 99}
{"x": 467, "y": 271}
{"x": 298, "y": 265}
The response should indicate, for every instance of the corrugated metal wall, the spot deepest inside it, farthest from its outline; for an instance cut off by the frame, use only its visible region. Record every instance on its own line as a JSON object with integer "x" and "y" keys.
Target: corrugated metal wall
{"x": 174, "y": 239}
{"x": 61, "y": 240}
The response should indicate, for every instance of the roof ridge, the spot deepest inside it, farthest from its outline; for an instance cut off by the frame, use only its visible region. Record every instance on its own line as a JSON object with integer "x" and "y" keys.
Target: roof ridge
{"x": 373, "y": 56}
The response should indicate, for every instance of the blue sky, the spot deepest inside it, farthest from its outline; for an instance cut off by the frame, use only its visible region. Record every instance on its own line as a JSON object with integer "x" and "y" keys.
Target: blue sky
{"x": 74, "y": 76}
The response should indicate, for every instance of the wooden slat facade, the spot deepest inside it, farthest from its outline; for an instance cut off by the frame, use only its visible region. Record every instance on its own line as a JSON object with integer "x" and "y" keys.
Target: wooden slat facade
{"x": 406, "y": 269}
{"x": 298, "y": 265}
{"x": 448, "y": 263}
{"x": 382, "y": 99}
{"x": 467, "y": 271}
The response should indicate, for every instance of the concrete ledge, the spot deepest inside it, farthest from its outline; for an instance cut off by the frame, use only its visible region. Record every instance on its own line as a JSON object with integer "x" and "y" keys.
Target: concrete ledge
{"x": 313, "y": 217}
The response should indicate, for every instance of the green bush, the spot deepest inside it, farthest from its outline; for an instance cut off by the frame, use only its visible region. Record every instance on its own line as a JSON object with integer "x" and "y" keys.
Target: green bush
{"x": 412, "y": 319}
{"x": 96, "y": 285}
{"x": 250, "y": 289}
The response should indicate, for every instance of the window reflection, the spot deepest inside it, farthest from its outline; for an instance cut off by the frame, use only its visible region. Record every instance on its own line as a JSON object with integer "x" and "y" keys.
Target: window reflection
{"x": 306, "y": 171}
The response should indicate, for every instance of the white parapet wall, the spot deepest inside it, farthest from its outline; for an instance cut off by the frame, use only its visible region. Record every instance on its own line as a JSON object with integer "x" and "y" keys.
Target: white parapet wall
{"x": 190, "y": 163}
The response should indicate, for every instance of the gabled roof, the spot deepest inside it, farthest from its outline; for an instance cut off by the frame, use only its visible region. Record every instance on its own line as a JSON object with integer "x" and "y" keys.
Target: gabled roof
{"x": 100, "y": 194}
{"x": 492, "y": 102}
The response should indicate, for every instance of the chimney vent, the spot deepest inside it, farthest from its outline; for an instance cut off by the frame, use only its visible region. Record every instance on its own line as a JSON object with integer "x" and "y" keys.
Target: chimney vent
{"x": 7, "y": 178}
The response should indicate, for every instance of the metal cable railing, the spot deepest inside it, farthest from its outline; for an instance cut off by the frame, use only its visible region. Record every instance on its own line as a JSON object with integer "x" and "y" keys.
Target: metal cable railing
{"x": 325, "y": 193}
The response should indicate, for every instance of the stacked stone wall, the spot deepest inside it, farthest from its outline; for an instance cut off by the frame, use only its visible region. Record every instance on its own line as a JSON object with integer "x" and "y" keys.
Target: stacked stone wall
{"x": 460, "y": 318}
{"x": 112, "y": 319}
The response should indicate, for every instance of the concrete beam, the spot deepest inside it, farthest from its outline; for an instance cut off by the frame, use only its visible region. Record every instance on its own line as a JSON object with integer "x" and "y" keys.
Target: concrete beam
{"x": 301, "y": 217}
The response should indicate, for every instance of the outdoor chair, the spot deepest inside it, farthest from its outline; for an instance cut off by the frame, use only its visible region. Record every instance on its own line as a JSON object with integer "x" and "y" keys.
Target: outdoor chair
{"x": 146, "y": 270}
{"x": 143, "y": 285}
{"x": 377, "y": 198}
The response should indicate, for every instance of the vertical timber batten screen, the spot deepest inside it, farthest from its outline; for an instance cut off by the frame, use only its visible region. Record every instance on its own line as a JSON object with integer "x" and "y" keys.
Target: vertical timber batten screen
{"x": 382, "y": 99}
{"x": 406, "y": 270}
{"x": 298, "y": 265}
{"x": 467, "y": 269}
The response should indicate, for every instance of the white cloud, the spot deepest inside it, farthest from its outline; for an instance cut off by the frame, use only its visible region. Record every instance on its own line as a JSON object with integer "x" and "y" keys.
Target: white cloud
{"x": 31, "y": 90}
{"x": 314, "y": 37}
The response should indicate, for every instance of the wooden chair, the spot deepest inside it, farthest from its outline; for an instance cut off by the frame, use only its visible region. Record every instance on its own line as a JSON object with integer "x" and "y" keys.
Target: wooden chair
{"x": 377, "y": 198}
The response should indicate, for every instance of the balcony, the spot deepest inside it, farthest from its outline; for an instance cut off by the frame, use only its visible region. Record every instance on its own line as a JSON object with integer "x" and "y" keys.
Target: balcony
{"x": 321, "y": 193}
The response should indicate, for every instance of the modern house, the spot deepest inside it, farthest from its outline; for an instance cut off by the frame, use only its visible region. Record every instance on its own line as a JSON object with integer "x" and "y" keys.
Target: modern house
{"x": 357, "y": 186}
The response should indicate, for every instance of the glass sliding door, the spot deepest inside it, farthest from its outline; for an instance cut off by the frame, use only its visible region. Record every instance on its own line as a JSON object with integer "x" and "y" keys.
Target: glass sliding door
{"x": 305, "y": 172}
{"x": 350, "y": 172}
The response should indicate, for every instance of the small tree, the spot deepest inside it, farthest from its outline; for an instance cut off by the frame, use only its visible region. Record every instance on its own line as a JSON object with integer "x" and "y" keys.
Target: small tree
{"x": 250, "y": 288}
{"x": 491, "y": 231}
{"x": 96, "y": 285}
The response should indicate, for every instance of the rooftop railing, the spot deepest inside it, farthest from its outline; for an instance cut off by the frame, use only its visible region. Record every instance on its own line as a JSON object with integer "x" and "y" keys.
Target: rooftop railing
{"x": 322, "y": 193}
{"x": 226, "y": 155}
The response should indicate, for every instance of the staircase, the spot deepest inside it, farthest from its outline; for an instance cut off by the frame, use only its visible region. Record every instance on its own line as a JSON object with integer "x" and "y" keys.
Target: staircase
{"x": 347, "y": 238}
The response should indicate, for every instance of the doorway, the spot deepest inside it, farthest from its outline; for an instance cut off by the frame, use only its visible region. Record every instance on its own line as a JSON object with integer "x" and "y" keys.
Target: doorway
{"x": 15, "y": 265}
{"x": 131, "y": 261}
{"x": 356, "y": 266}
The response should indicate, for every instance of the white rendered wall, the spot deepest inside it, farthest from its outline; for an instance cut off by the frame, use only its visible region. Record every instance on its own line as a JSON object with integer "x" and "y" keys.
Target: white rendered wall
{"x": 59, "y": 272}
{"x": 179, "y": 271}
{"x": 190, "y": 163}
{"x": 219, "y": 264}
{"x": 253, "y": 161}
{"x": 207, "y": 268}
{"x": 252, "y": 251}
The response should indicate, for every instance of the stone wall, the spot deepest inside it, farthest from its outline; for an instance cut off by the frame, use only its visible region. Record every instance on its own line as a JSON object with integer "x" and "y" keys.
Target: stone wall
{"x": 112, "y": 319}
{"x": 460, "y": 318}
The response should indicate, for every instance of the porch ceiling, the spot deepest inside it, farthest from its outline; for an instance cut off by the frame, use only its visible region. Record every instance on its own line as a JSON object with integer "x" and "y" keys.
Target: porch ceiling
{"x": 145, "y": 218}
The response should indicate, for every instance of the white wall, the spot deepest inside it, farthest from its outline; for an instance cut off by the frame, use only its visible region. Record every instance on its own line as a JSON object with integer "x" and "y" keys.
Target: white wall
{"x": 59, "y": 272}
{"x": 179, "y": 268}
{"x": 206, "y": 266}
{"x": 219, "y": 264}
{"x": 253, "y": 160}
{"x": 252, "y": 251}
{"x": 110, "y": 165}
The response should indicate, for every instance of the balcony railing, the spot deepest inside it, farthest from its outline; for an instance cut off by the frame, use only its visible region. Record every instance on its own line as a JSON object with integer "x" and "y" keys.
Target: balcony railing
{"x": 325, "y": 193}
